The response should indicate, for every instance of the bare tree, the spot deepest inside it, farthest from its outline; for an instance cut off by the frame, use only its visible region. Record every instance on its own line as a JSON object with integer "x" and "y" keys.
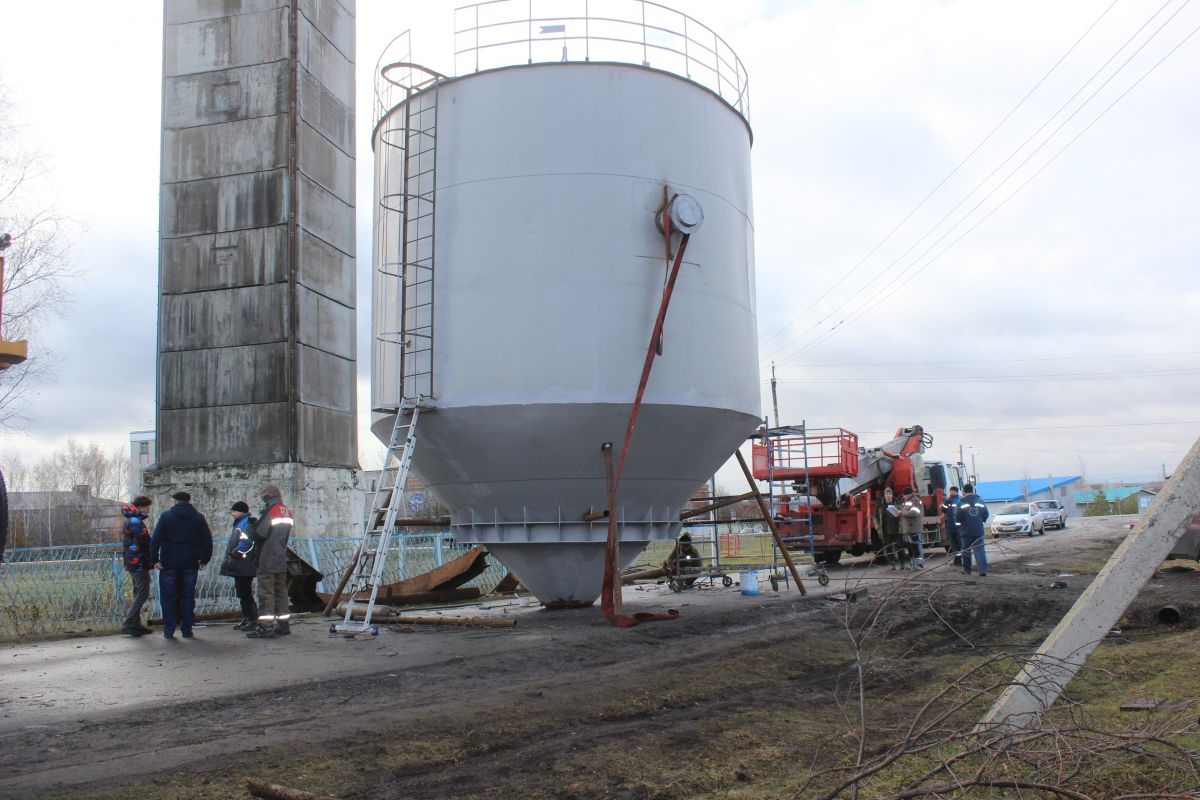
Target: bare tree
{"x": 17, "y": 474}
{"x": 46, "y": 478}
{"x": 38, "y": 266}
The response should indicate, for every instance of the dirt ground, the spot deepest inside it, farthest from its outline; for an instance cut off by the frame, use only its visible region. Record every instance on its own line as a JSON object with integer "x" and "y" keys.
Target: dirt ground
{"x": 740, "y": 697}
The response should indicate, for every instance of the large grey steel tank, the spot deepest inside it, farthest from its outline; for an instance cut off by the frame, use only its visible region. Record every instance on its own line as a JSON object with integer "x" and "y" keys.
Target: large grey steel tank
{"x": 532, "y": 273}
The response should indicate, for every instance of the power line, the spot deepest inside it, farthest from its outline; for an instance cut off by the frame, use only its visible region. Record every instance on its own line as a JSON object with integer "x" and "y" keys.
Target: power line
{"x": 1074, "y": 427}
{"x": 1110, "y": 451}
{"x": 872, "y": 302}
{"x": 1066, "y": 376}
{"x": 1054, "y": 427}
{"x": 984, "y": 361}
{"x": 944, "y": 180}
{"x": 886, "y": 291}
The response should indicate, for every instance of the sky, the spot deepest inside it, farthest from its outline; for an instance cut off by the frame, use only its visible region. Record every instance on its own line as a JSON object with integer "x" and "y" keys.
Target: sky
{"x": 974, "y": 216}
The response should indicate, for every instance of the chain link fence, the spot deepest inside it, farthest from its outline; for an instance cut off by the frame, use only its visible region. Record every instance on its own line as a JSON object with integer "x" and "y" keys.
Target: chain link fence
{"x": 84, "y": 588}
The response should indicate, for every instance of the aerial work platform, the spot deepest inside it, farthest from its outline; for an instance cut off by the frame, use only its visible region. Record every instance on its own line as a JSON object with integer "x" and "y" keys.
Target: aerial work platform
{"x": 816, "y": 454}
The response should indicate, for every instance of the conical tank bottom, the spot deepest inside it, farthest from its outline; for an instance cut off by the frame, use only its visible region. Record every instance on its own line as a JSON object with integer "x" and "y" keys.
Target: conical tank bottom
{"x": 562, "y": 575}
{"x": 519, "y": 480}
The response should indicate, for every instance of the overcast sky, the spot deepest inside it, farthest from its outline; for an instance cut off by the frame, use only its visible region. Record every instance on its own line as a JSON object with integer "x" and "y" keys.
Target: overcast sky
{"x": 1057, "y": 336}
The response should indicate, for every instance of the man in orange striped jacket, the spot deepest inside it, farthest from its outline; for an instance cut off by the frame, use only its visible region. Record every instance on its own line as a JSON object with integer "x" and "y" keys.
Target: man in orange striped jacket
{"x": 272, "y": 532}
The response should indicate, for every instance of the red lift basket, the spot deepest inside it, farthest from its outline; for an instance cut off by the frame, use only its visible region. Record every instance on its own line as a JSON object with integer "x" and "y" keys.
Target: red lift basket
{"x": 831, "y": 453}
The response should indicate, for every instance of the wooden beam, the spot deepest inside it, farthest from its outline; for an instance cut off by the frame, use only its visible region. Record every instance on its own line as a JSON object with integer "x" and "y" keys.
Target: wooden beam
{"x": 766, "y": 512}
{"x": 728, "y": 501}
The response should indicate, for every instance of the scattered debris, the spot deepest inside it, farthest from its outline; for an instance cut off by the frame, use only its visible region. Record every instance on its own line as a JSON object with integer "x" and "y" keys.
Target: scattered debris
{"x": 507, "y": 585}
{"x": 272, "y": 791}
{"x": 436, "y": 585}
{"x": 1156, "y": 704}
{"x": 1058, "y": 585}
{"x": 850, "y": 596}
{"x": 1143, "y": 703}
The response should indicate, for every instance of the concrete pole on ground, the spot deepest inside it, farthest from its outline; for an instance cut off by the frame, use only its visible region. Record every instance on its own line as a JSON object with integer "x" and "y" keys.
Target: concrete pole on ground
{"x": 1049, "y": 671}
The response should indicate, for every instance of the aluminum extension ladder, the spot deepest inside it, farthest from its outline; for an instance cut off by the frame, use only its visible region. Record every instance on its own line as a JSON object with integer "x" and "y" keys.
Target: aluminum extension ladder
{"x": 381, "y": 520}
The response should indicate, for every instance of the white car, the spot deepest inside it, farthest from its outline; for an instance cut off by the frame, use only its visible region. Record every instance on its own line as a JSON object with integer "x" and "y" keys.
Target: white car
{"x": 1053, "y": 513}
{"x": 1015, "y": 518}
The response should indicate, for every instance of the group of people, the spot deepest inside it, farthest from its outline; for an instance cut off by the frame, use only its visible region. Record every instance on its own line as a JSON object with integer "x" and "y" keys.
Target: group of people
{"x": 182, "y": 545}
{"x": 900, "y": 522}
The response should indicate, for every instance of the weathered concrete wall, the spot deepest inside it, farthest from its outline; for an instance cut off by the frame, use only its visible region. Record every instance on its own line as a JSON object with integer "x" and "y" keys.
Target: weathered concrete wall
{"x": 326, "y": 501}
{"x": 257, "y": 262}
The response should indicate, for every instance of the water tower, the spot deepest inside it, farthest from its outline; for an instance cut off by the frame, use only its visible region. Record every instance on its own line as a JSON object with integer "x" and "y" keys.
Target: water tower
{"x": 519, "y": 269}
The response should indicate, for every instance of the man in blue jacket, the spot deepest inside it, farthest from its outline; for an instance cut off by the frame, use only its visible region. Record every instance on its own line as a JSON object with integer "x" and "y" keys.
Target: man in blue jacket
{"x": 950, "y": 524}
{"x": 180, "y": 547}
{"x": 135, "y": 547}
{"x": 971, "y": 515}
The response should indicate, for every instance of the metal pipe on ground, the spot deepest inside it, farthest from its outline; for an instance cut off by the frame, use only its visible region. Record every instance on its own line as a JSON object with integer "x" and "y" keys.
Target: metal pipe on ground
{"x": 216, "y": 616}
{"x": 386, "y": 615}
{"x": 1169, "y": 615}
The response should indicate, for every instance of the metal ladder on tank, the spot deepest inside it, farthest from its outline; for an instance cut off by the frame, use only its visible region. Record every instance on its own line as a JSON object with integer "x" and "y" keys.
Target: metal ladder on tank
{"x": 417, "y": 253}
{"x": 380, "y": 521}
{"x": 411, "y": 207}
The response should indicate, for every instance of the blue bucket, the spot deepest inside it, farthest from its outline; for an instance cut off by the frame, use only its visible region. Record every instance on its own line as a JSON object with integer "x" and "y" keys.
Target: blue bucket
{"x": 749, "y": 580}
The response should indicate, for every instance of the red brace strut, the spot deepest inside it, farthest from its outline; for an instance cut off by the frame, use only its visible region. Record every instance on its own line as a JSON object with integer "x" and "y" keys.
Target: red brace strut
{"x": 610, "y": 599}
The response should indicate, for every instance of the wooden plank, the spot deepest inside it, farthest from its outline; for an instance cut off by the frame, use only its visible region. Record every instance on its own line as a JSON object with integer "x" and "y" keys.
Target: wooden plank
{"x": 1142, "y": 703}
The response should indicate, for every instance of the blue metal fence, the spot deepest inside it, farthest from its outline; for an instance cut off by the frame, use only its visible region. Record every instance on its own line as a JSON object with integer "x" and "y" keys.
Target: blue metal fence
{"x": 56, "y": 590}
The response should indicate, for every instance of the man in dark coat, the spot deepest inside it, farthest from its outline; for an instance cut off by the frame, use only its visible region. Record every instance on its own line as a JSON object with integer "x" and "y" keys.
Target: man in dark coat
{"x": 135, "y": 549}
{"x": 950, "y": 517}
{"x": 887, "y": 522}
{"x": 971, "y": 515}
{"x": 180, "y": 547}
{"x": 272, "y": 532}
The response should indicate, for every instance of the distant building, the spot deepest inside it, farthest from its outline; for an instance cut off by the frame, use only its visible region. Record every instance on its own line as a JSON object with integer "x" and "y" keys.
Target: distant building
{"x": 141, "y": 457}
{"x": 59, "y": 518}
{"x": 1115, "y": 495}
{"x": 998, "y": 493}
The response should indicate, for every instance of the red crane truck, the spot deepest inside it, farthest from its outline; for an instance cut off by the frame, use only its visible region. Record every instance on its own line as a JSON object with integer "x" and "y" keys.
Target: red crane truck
{"x": 836, "y": 486}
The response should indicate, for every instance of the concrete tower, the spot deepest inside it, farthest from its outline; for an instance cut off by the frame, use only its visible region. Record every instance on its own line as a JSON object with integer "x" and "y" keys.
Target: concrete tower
{"x": 256, "y": 343}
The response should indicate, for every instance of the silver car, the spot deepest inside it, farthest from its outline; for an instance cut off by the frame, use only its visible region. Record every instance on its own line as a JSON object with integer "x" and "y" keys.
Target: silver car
{"x": 1053, "y": 513}
{"x": 1018, "y": 518}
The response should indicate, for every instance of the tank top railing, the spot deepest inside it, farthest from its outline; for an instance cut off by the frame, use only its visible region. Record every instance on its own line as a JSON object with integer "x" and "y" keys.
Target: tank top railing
{"x": 502, "y": 33}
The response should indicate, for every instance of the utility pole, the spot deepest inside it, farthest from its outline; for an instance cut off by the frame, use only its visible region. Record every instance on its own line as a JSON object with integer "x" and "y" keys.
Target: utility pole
{"x": 1044, "y": 676}
{"x": 974, "y": 474}
{"x": 774, "y": 395}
